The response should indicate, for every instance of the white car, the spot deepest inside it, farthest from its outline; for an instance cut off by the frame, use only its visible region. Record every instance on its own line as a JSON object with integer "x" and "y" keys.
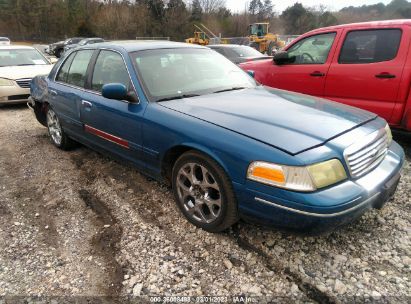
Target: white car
{"x": 18, "y": 65}
{"x": 4, "y": 41}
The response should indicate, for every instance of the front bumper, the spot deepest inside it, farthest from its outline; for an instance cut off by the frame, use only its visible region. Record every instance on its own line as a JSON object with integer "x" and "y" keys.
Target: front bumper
{"x": 14, "y": 94}
{"x": 326, "y": 209}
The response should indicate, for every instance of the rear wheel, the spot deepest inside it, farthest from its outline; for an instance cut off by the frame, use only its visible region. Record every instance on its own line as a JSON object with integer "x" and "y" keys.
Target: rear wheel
{"x": 59, "y": 52}
{"x": 255, "y": 45}
{"x": 204, "y": 192}
{"x": 272, "y": 47}
{"x": 57, "y": 135}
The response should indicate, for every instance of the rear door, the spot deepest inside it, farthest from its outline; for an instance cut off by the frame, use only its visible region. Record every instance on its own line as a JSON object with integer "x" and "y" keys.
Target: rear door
{"x": 308, "y": 72}
{"x": 367, "y": 69}
{"x": 114, "y": 125}
{"x": 65, "y": 92}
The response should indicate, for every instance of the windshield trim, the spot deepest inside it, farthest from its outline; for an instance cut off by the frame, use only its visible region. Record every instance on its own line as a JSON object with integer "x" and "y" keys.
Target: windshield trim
{"x": 154, "y": 99}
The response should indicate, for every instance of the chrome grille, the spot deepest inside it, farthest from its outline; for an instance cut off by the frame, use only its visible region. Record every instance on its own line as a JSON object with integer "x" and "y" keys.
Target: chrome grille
{"x": 366, "y": 154}
{"x": 24, "y": 83}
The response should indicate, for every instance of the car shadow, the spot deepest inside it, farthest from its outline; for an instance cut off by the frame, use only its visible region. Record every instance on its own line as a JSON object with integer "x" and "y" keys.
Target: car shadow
{"x": 404, "y": 139}
{"x": 13, "y": 107}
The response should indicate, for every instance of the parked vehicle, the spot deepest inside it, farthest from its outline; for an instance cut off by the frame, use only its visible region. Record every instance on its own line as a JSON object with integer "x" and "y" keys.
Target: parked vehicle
{"x": 57, "y": 48}
{"x": 366, "y": 65}
{"x": 85, "y": 41}
{"x": 18, "y": 65}
{"x": 238, "y": 53}
{"x": 229, "y": 147}
{"x": 4, "y": 41}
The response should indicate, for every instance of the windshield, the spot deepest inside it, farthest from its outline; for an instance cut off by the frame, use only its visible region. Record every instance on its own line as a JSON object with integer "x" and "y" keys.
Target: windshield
{"x": 18, "y": 57}
{"x": 246, "y": 51}
{"x": 4, "y": 39}
{"x": 259, "y": 29}
{"x": 168, "y": 73}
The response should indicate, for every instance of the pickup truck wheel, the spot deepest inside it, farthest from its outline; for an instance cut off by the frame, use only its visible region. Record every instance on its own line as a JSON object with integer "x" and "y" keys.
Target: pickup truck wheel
{"x": 57, "y": 135}
{"x": 59, "y": 52}
{"x": 204, "y": 193}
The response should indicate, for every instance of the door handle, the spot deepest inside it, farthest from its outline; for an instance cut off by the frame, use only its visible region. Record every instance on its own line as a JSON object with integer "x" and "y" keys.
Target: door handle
{"x": 86, "y": 103}
{"x": 53, "y": 93}
{"x": 317, "y": 74}
{"x": 385, "y": 76}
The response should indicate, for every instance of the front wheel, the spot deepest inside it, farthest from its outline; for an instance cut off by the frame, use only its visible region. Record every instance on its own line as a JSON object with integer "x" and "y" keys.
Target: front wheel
{"x": 204, "y": 193}
{"x": 57, "y": 135}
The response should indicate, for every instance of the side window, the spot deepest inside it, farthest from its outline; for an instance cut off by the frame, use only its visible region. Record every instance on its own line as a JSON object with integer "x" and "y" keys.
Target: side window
{"x": 109, "y": 68}
{"x": 312, "y": 50}
{"x": 78, "y": 69}
{"x": 219, "y": 50}
{"x": 63, "y": 73}
{"x": 368, "y": 46}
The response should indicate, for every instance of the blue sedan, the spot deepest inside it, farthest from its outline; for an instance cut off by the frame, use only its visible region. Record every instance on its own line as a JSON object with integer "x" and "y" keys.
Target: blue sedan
{"x": 229, "y": 147}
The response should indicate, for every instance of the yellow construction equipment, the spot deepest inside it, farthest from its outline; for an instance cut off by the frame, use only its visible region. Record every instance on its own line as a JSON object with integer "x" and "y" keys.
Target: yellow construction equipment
{"x": 262, "y": 40}
{"x": 202, "y": 35}
{"x": 199, "y": 38}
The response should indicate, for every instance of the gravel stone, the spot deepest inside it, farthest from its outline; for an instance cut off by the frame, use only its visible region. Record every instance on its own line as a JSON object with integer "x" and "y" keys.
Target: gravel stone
{"x": 228, "y": 264}
{"x": 114, "y": 232}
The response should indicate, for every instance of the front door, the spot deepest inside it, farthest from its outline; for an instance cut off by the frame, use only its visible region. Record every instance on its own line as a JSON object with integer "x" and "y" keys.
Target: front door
{"x": 308, "y": 72}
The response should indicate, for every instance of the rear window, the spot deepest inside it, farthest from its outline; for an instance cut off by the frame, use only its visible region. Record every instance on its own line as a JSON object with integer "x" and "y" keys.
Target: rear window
{"x": 246, "y": 51}
{"x": 370, "y": 46}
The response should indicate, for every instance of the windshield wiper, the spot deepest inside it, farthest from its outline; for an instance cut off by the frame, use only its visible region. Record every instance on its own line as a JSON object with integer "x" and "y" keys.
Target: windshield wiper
{"x": 231, "y": 89}
{"x": 177, "y": 97}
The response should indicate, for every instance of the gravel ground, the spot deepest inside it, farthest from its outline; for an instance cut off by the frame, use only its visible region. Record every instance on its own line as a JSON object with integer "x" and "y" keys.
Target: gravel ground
{"x": 80, "y": 224}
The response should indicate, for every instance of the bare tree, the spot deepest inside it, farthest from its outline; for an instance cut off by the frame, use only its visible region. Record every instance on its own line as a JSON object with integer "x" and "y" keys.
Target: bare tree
{"x": 212, "y": 6}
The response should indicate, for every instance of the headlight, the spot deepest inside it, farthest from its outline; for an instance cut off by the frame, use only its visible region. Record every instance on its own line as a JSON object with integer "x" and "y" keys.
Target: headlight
{"x": 6, "y": 82}
{"x": 389, "y": 134}
{"x": 309, "y": 178}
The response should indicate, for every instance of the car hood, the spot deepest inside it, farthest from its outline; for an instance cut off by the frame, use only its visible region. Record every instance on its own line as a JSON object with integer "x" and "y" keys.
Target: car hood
{"x": 28, "y": 71}
{"x": 288, "y": 121}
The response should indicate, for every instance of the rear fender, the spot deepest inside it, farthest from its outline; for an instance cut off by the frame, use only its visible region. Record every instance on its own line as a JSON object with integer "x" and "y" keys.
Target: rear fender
{"x": 39, "y": 88}
{"x": 406, "y": 119}
{"x": 39, "y": 98}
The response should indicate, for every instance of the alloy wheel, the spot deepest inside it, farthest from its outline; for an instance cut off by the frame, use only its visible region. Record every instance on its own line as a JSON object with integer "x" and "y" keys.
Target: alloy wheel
{"x": 54, "y": 127}
{"x": 199, "y": 193}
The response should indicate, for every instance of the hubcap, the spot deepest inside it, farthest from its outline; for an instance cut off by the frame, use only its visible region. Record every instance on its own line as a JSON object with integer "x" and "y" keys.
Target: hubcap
{"x": 54, "y": 127}
{"x": 199, "y": 192}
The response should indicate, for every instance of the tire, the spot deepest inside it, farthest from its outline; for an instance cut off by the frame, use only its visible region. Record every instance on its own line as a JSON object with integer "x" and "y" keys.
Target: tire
{"x": 255, "y": 45}
{"x": 57, "y": 135}
{"x": 206, "y": 198}
{"x": 271, "y": 47}
{"x": 59, "y": 52}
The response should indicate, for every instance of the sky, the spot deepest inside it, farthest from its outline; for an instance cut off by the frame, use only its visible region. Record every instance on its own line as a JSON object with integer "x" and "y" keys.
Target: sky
{"x": 239, "y": 5}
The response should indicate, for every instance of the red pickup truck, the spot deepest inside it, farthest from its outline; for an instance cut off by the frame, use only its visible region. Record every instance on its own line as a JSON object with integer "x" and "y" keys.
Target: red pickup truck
{"x": 366, "y": 65}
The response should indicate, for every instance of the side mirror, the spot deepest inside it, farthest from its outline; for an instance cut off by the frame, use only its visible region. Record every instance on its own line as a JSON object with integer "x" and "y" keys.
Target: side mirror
{"x": 281, "y": 58}
{"x": 251, "y": 73}
{"x": 114, "y": 91}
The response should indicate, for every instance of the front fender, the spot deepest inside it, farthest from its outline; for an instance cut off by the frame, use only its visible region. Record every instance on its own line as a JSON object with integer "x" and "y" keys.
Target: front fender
{"x": 207, "y": 151}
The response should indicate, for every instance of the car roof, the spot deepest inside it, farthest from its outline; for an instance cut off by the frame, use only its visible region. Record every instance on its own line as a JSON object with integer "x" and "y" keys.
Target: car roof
{"x": 140, "y": 45}
{"x": 16, "y": 47}
{"x": 365, "y": 25}
{"x": 93, "y": 38}
{"x": 227, "y": 45}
